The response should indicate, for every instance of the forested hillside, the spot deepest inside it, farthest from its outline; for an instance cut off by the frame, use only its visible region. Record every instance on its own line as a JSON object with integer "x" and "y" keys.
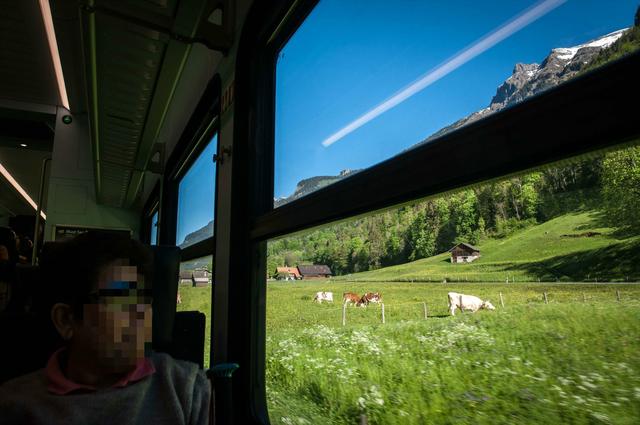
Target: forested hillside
{"x": 609, "y": 183}
{"x": 606, "y": 182}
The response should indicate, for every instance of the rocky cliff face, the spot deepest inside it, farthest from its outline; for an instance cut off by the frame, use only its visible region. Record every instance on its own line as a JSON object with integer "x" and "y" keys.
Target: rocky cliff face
{"x": 530, "y": 79}
{"x": 199, "y": 235}
{"x": 306, "y": 186}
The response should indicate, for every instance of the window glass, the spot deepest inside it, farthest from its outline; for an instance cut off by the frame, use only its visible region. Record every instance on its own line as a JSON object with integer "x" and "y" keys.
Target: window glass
{"x": 154, "y": 228}
{"x": 194, "y": 293}
{"x": 196, "y": 197}
{"x": 552, "y": 256}
{"x": 360, "y": 82}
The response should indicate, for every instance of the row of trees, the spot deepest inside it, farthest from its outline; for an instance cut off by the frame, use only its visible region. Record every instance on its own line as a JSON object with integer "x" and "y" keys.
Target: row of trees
{"x": 610, "y": 182}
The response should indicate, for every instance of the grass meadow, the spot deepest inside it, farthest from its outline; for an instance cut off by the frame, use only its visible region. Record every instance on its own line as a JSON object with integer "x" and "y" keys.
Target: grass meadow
{"x": 556, "y": 250}
{"x": 573, "y": 360}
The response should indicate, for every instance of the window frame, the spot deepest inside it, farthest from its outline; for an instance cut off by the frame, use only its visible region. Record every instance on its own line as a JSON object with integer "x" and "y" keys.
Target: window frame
{"x": 505, "y": 143}
{"x": 151, "y": 206}
{"x": 203, "y": 125}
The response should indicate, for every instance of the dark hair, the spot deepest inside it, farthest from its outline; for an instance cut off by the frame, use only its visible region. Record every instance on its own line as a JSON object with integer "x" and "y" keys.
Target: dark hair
{"x": 71, "y": 269}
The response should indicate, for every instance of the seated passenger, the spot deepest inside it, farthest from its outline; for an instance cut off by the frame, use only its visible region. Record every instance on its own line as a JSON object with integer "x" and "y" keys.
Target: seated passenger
{"x": 105, "y": 372}
{"x": 8, "y": 259}
{"x": 25, "y": 249}
{"x": 8, "y": 245}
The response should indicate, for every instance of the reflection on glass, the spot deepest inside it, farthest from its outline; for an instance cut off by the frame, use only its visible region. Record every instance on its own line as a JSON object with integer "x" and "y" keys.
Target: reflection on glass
{"x": 356, "y": 85}
{"x": 194, "y": 293}
{"x": 555, "y": 251}
{"x": 154, "y": 228}
{"x": 196, "y": 199}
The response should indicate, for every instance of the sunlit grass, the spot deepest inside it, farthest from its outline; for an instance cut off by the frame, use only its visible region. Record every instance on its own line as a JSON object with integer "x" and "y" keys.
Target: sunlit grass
{"x": 567, "y": 361}
{"x": 573, "y": 360}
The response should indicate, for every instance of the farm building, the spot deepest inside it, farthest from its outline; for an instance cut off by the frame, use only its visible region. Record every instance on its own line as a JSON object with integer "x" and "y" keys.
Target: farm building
{"x": 315, "y": 271}
{"x": 464, "y": 253}
{"x": 197, "y": 277}
{"x": 287, "y": 273}
{"x": 186, "y": 277}
{"x": 201, "y": 277}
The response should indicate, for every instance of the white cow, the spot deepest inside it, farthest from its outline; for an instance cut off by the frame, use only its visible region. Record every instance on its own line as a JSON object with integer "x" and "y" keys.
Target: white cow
{"x": 467, "y": 302}
{"x": 323, "y": 296}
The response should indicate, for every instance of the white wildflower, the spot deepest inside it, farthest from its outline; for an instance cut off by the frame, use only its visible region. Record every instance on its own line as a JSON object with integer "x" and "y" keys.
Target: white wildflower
{"x": 601, "y": 416}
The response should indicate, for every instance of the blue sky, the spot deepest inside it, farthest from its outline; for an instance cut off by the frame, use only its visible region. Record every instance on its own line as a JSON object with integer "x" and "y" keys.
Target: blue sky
{"x": 349, "y": 56}
{"x": 196, "y": 194}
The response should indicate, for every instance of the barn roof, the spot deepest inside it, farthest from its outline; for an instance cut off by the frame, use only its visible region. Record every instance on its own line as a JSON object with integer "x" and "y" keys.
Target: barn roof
{"x": 471, "y": 247}
{"x": 185, "y": 274}
{"x": 314, "y": 269}
{"x": 288, "y": 270}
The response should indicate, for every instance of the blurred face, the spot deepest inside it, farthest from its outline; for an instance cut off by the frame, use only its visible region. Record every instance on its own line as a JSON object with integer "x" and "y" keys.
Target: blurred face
{"x": 116, "y": 324}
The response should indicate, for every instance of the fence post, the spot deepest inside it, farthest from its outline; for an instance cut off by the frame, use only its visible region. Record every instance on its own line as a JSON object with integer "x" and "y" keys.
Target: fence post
{"x": 545, "y": 298}
{"x": 501, "y": 300}
{"x": 382, "y": 313}
{"x": 344, "y": 314}
{"x": 425, "y": 309}
{"x": 618, "y": 295}
{"x": 584, "y": 297}
{"x": 363, "y": 420}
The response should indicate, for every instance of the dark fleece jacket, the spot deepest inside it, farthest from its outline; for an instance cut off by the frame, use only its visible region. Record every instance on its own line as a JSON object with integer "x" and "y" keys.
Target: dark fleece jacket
{"x": 177, "y": 393}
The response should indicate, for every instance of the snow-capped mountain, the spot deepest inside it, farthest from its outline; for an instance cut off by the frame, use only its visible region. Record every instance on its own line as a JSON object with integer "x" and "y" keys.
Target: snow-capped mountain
{"x": 527, "y": 80}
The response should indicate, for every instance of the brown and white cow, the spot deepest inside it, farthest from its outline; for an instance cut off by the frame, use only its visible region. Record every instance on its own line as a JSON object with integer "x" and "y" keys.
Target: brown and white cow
{"x": 350, "y": 298}
{"x": 467, "y": 302}
{"x": 370, "y": 297}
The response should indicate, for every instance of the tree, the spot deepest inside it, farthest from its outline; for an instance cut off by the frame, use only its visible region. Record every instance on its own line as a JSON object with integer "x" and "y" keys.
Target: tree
{"x": 621, "y": 187}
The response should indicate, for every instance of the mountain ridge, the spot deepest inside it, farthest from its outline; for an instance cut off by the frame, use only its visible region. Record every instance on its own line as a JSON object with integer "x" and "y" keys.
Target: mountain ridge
{"x": 526, "y": 80}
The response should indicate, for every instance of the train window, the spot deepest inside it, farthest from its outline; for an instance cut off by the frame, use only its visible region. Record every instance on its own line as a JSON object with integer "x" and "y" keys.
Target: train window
{"x": 483, "y": 182}
{"x": 358, "y": 85}
{"x": 154, "y": 229}
{"x": 194, "y": 293}
{"x": 361, "y": 319}
{"x": 196, "y": 198}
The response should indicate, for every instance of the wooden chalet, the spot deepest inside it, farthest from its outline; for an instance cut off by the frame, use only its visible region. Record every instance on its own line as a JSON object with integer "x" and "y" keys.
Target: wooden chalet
{"x": 315, "y": 271}
{"x": 186, "y": 277}
{"x": 201, "y": 277}
{"x": 197, "y": 277}
{"x": 464, "y": 253}
{"x": 287, "y": 273}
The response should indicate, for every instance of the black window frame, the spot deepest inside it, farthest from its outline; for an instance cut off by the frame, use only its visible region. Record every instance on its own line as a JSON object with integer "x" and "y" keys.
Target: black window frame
{"x": 588, "y": 113}
{"x": 151, "y": 206}
{"x": 203, "y": 125}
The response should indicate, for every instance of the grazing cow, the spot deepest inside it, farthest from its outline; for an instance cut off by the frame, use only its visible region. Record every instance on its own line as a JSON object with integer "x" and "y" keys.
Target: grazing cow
{"x": 323, "y": 296}
{"x": 350, "y": 298}
{"x": 467, "y": 302}
{"x": 370, "y": 297}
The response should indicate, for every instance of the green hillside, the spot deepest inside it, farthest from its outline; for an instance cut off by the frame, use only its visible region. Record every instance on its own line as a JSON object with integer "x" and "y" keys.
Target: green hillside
{"x": 572, "y": 247}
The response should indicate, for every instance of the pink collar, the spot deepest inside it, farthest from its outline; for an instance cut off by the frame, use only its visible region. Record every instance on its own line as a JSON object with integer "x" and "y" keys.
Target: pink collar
{"x": 61, "y": 385}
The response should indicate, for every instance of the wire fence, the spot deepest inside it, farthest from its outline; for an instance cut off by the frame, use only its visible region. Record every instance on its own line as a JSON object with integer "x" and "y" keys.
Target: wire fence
{"x": 437, "y": 307}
